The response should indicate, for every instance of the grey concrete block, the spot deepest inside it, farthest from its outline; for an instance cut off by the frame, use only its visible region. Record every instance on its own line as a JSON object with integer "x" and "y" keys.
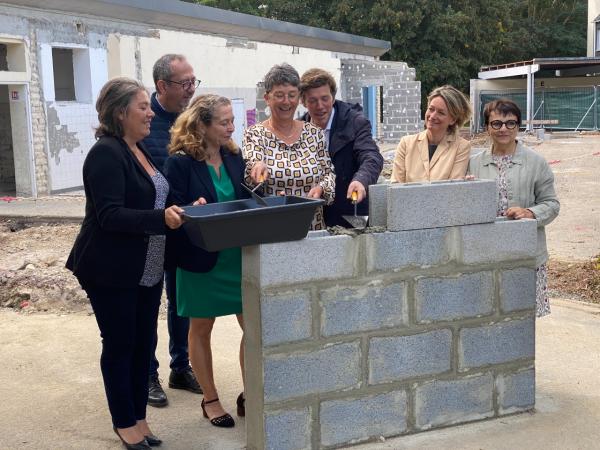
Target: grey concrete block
{"x": 449, "y": 298}
{"x": 307, "y": 260}
{"x": 393, "y": 251}
{"x": 496, "y": 344}
{"x": 355, "y": 420}
{"x": 288, "y": 430}
{"x": 503, "y": 240}
{"x": 350, "y": 310}
{"x": 516, "y": 391}
{"x": 286, "y": 317}
{"x": 440, "y": 403}
{"x": 398, "y": 357}
{"x": 325, "y": 369}
{"x": 378, "y": 204}
{"x": 517, "y": 289}
{"x": 444, "y": 204}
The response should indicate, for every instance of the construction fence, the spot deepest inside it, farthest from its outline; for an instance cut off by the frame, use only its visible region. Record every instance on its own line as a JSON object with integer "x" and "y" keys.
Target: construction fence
{"x": 574, "y": 108}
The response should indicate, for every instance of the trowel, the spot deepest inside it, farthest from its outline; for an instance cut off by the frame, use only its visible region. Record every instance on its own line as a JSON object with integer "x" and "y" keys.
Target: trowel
{"x": 358, "y": 222}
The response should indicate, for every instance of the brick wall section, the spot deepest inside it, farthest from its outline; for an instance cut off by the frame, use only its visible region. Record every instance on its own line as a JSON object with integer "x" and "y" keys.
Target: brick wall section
{"x": 354, "y": 337}
{"x": 401, "y": 94}
{"x": 38, "y": 119}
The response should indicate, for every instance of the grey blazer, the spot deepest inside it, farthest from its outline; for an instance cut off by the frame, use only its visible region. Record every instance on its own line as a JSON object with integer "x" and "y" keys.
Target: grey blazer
{"x": 530, "y": 184}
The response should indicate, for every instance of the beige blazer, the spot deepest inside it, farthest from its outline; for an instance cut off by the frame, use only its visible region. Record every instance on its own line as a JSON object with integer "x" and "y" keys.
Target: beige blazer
{"x": 411, "y": 162}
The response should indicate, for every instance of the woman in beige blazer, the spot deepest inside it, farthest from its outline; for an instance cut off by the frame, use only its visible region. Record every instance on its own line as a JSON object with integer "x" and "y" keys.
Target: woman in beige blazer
{"x": 438, "y": 153}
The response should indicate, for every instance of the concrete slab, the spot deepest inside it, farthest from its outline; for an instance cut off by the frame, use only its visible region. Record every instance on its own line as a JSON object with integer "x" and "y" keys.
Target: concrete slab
{"x": 58, "y": 208}
{"x": 52, "y": 394}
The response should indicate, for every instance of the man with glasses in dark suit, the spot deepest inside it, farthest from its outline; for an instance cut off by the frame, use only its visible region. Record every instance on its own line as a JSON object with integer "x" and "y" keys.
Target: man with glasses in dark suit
{"x": 175, "y": 85}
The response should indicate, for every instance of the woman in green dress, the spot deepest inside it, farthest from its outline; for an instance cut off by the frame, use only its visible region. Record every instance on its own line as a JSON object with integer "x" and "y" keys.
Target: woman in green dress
{"x": 205, "y": 166}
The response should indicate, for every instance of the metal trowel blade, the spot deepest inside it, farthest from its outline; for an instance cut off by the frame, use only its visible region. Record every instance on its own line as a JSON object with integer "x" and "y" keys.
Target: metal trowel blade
{"x": 358, "y": 222}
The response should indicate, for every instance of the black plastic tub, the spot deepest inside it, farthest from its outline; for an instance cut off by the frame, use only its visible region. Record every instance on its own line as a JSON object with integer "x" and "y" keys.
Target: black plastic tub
{"x": 217, "y": 226}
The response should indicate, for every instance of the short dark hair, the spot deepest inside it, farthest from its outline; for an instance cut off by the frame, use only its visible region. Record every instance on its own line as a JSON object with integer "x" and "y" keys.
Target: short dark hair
{"x": 281, "y": 74}
{"x": 315, "y": 78}
{"x": 502, "y": 106}
{"x": 114, "y": 98}
{"x": 162, "y": 67}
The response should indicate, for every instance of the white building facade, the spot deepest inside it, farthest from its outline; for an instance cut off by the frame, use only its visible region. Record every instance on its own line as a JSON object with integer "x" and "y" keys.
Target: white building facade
{"x": 56, "y": 55}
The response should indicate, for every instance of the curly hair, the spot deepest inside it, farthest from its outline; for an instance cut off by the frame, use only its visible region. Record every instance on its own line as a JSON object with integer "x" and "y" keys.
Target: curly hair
{"x": 187, "y": 135}
{"x": 114, "y": 99}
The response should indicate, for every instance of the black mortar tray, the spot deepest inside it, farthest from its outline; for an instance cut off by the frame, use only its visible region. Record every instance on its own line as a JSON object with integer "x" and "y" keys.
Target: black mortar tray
{"x": 238, "y": 223}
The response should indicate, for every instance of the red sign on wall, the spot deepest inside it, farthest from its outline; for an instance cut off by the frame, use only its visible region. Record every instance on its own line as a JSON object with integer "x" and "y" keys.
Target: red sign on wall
{"x": 14, "y": 95}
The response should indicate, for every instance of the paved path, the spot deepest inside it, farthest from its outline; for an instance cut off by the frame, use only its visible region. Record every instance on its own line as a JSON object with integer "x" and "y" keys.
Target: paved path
{"x": 52, "y": 395}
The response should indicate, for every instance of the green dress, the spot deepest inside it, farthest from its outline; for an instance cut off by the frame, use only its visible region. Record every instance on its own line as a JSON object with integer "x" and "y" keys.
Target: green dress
{"x": 219, "y": 291}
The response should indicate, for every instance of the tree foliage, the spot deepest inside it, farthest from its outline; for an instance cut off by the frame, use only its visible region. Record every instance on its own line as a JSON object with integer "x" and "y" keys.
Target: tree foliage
{"x": 447, "y": 41}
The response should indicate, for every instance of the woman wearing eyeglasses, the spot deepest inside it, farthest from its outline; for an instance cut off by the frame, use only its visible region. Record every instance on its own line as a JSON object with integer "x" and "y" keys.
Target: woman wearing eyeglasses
{"x": 438, "y": 153}
{"x": 524, "y": 179}
{"x": 289, "y": 154}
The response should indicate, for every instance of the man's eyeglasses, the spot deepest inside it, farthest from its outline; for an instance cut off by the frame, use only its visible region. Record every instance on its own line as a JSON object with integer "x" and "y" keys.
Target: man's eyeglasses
{"x": 510, "y": 124}
{"x": 186, "y": 84}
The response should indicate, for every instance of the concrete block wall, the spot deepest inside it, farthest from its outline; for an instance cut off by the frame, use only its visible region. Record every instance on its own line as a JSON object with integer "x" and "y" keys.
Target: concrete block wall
{"x": 353, "y": 337}
{"x": 401, "y": 94}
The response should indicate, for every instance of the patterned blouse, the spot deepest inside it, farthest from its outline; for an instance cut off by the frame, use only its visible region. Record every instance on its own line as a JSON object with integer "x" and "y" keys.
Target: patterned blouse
{"x": 295, "y": 169}
{"x": 503, "y": 163}
{"x": 155, "y": 257}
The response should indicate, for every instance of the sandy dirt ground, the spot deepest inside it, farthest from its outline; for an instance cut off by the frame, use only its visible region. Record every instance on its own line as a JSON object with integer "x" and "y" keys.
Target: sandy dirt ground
{"x": 52, "y": 393}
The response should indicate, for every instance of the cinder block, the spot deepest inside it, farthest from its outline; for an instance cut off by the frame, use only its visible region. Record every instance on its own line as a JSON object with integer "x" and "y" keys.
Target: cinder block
{"x": 304, "y": 261}
{"x": 496, "y": 344}
{"x": 286, "y": 317}
{"x": 503, "y": 240}
{"x": 440, "y": 403}
{"x": 355, "y": 420}
{"x": 443, "y": 204}
{"x": 378, "y": 204}
{"x": 516, "y": 391}
{"x": 326, "y": 369}
{"x": 350, "y": 310}
{"x": 398, "y": 357}
{"x": 393, "y": 251}
{"x": 449, "y": 298}
{"x": 517, "y": 289}
{"x": 288, "y": 430}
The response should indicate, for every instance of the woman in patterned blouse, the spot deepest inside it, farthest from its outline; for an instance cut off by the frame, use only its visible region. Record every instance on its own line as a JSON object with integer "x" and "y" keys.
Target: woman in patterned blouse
{"x": 290, "y": 155}
{"x": 524, "y": 179}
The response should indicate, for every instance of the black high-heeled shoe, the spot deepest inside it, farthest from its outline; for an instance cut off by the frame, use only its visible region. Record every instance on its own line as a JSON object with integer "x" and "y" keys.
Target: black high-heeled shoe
{"x": 224, "y": 421}
{"x": 241, "y": 405}
{"x": 153, "y": 441}
{"x": 142, "y": 445}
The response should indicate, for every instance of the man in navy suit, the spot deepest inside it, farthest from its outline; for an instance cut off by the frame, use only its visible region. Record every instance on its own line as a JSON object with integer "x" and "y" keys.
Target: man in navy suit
{"x": 175, "y": 85}
{"x": 354, "y": 154}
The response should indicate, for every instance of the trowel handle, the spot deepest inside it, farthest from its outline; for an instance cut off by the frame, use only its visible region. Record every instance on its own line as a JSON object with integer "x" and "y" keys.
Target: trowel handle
{"x": 354, "y": 196}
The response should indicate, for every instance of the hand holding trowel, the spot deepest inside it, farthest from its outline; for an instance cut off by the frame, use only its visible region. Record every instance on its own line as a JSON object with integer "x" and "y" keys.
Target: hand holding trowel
{"x": 358, "y": 222}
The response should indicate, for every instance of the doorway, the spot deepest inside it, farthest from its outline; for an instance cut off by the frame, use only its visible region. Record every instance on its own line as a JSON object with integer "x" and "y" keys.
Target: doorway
{"x": 7, "y": 162}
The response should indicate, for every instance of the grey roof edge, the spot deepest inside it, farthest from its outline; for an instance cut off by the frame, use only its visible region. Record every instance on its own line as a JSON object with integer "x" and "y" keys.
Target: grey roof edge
{"x": 175, "y": 14}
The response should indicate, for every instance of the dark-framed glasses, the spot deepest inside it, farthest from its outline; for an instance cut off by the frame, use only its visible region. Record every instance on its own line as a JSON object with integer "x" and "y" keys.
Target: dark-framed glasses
{"x": 186, "y": 84}
{"x": 509, "y": 124}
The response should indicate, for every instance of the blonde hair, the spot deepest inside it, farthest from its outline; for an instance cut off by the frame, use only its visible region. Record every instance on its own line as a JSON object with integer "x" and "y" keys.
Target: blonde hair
{"x": 187, "y": 135}
{"x": 458, "y": 105}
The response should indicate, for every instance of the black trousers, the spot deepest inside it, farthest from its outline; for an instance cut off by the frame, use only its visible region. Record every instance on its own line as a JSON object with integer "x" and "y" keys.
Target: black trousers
{"x": 127, "y": 321}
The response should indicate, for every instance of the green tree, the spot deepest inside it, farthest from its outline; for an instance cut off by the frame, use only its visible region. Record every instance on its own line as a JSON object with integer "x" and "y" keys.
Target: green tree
{"x": 447, "y": 41}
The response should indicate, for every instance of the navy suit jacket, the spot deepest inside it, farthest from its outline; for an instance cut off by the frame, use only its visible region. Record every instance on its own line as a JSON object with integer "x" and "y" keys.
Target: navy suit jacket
{"x": 355, "y": 156}
{"x": 189, "y": 180}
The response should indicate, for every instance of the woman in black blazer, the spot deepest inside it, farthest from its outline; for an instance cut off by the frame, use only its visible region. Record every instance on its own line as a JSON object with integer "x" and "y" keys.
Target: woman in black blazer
{"x": 118, "y": 256}
{"x": 205, "y": 166}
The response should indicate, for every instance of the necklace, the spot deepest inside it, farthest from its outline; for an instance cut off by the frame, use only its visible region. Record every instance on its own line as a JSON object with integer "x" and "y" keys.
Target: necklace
{"x": 277, "y": 131}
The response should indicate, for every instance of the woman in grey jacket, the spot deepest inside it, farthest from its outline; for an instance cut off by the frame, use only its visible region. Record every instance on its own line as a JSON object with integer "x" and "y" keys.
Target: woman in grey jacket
{"x": 524, "y": 179}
